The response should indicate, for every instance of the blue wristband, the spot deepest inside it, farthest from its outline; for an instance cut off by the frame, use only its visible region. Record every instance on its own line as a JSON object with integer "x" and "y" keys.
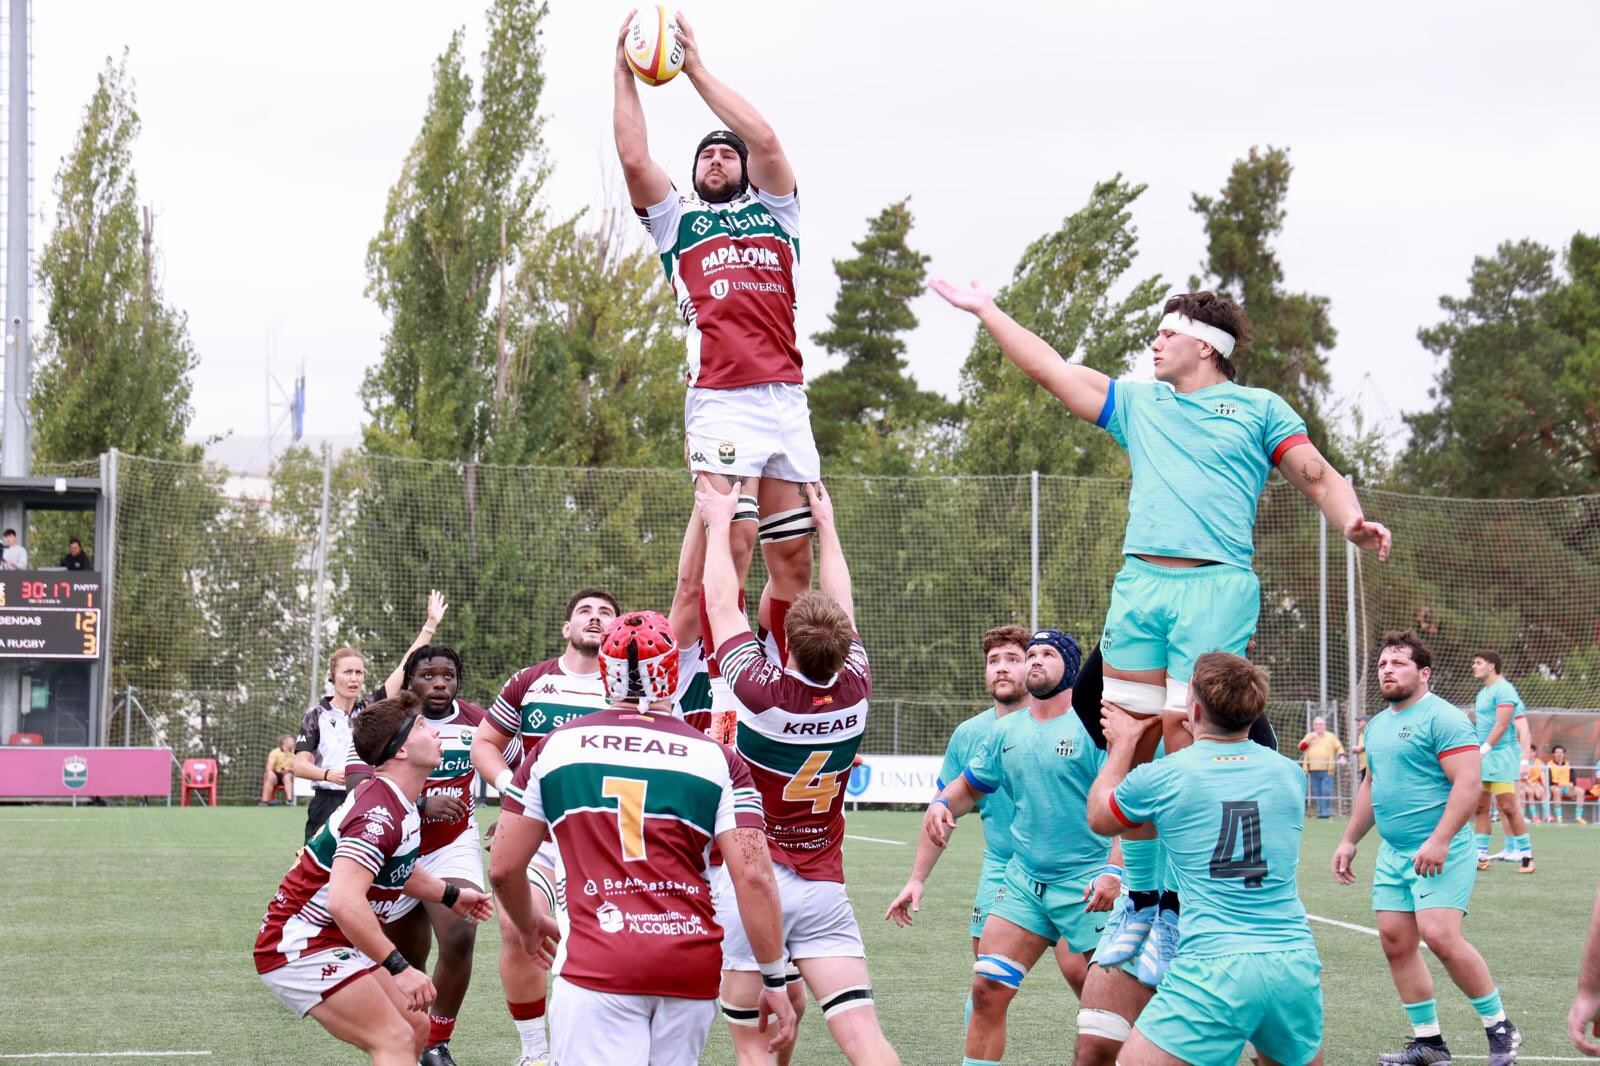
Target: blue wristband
{"x": 940, "y": 799}
{"x": 1115, "y": 871}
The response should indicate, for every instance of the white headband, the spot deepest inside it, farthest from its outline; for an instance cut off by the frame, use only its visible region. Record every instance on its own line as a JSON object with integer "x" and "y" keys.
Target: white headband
{"x": 1218, "y": 339}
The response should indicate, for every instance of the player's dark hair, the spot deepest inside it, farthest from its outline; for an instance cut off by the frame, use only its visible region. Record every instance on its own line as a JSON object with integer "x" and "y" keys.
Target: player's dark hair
{"x": 73, "y": 541}
{"x": 373, "y": 728}
{"x": 1421, "y": 654}
{"x": 1492, "y": 657}
{"x": 9, "y": 533}
{"x": 590, "y": 593}
{"x": 1216, "y": 311}
{"x": 1562, "y": 748}
{"x": 423, "y": 654}
{"x": 1232, "y": 691}
{"x": 1000, "y": 636}
{"x": 819, "y": 634}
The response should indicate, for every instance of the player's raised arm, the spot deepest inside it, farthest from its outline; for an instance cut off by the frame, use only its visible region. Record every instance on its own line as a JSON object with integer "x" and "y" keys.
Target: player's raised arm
{"x": 684, "y": 617}
{"x": 769, "y": 167}
{"x": 833, "y": 573}
{"x": 1304, "y": 467}
{"x": 1081, "y": 388}
{"x": 1123, "y": 732}
{"x": 647, "y": 183}
{"x": 715, "y": 509}
{"x": 436, "y": 609}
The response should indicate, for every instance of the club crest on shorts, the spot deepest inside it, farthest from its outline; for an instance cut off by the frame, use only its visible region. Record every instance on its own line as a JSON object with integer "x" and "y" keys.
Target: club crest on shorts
{"x": 725, "y": 453}
{"x": 1066, "y": 747}
{"x": 719, "y": 288}
{"x": 75, "y": 771}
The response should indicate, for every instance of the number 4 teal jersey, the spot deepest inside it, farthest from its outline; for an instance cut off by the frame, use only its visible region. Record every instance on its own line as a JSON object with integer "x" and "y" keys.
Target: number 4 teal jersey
{"x": 995, "y": 808}
{"x": 1230, "y": 817}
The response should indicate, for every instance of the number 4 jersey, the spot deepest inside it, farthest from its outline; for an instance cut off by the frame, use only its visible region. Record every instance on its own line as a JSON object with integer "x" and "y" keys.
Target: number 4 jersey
{"x": 800, "y": 739}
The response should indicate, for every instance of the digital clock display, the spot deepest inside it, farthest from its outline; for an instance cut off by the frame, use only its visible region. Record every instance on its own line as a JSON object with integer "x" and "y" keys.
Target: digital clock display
{"x": 49, "y": 614}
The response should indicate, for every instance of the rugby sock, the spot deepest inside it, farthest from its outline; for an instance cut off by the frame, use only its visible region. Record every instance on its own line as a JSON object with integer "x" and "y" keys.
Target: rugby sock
{"x": 1489, "y": 1009}
{"x": 529, "y": 1020}
{"x": 979, "y": 1062}
{"x": 1525, "y": 845}
{"x": 780, "y": 611}
{"x": 1169, "y": 901}
{"x": 1424, "y": 1019}
{"x": 1545, "y": 804}
{"x": 440, "y": 1029}
{"x": 1482, "y": 840}
{"x": 1142, "y": 858}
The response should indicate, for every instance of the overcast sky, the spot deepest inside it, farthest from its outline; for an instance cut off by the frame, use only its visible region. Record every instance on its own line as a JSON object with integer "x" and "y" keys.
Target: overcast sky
{"x": 1421, "y": 135}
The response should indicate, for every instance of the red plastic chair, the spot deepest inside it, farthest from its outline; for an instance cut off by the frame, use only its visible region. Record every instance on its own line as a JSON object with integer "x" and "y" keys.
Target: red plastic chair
{"x": 287, "y": 788}
{"x": 25, "y": 739}
{"x": 199, "y": 775}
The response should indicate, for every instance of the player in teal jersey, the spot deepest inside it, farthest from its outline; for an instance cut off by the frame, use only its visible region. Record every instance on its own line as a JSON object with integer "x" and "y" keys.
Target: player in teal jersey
{"x": 1061, "y": 876}
{"x": 1230, "y": 814}
{"x": 1498, "y": 713}
{"x": 1421, "y": 786}
{"x": 1201, "y": 448}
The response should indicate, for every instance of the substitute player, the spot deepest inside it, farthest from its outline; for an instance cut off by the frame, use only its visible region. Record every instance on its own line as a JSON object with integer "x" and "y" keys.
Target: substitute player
{"x": 1062, "y": 878}
{"x": 636, "y": 797}
{"x": 1230, "y": 814}
{"x": 450, "y": 848}
{"x": 1422, "y": 784}
{"x": 798, "y": 730}
{"x": 1496, "y": 709}
{"x": 534, "y": 701}
{"x": 321, "y": 942}
{"x": 729, "y": 252}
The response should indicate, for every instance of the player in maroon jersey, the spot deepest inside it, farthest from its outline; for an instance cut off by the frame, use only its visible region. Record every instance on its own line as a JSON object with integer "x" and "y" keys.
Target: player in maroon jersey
{"x": 322, "y": 939}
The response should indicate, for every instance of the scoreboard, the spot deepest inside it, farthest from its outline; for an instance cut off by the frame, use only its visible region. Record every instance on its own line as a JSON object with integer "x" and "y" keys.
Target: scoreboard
{"x": 50, "y": 614}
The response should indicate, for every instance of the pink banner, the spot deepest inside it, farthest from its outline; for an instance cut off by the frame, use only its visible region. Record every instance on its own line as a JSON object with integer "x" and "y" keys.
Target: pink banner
{"x": 36, "y": 772}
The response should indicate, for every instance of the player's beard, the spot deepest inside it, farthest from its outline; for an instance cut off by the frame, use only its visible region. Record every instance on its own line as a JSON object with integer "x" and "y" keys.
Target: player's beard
{"x": 723, "y": 193}
{"x": 1006, "y": 691}
{"x": 1396, "y": 693}
{"x": 1041, "y": 689}
{"x": 586, "y": 643}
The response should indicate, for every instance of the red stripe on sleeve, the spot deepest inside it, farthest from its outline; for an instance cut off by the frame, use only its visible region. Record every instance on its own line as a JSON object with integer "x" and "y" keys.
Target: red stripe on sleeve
{"x": 1443, "y": 755}
{"x": 1288, "y": 442}
{"x": 1123, "y": 818}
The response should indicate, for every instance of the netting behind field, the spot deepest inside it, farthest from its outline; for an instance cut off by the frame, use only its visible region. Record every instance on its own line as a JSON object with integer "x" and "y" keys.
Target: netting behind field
{"x": 217, "y": 585}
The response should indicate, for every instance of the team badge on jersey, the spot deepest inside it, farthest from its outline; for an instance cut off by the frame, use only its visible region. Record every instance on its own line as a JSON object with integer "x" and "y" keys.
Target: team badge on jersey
{"x": 1226, "y": 409}
{"x": 719, "y": 288}
{"x": 1066, "y": 747}
{"x": 1404, "y": 734}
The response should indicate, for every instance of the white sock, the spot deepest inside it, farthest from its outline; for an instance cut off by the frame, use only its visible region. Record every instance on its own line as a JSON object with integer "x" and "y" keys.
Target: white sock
{"x": 534, "y": 1042}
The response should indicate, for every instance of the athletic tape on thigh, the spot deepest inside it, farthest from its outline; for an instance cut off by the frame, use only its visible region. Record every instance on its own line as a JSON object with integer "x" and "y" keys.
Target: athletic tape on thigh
{"x": 791, "y": 974}
{"x": 1177, "y": 697}
{"x": 846, "y": 999}
{"x": 1134, "y": 696}
{"x": 1107, "y": 1025}
{"x": 1000, "y": 970}
{"x": 787, "y": 525}
{"x": 542, "y": 885}
{"x": 747, "y": 510}
{"x": 749, "y": 1017}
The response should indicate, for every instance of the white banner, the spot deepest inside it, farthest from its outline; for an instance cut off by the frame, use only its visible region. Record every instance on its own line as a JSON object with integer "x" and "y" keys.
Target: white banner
{"x": 895, "y": 779}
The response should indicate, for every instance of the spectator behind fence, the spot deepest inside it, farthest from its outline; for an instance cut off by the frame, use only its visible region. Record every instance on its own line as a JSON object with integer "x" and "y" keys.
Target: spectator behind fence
{"x": 279, "y": 772}
{"x": 1322, "y": 752}
{"x": 15, "y": 556}
{"x": 76, "y": 558}
{"x": 1562, "y": 788}
{"x": 1534, "y": 791}
{"x": 1359, "y": 746}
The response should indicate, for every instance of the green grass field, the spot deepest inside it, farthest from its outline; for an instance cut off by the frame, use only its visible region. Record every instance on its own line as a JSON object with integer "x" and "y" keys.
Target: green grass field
{"x": 129, "y": 929}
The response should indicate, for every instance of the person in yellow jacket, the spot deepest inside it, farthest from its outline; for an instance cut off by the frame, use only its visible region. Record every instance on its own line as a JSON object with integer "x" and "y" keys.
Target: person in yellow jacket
{"x": 1321, "y": 753}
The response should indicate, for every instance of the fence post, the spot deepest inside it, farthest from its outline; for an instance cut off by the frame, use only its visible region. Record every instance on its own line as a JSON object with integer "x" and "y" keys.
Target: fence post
{"x": 1322, "y": 612}
{"x": 1352, "y": 641}
{"x": 322, "y": 570}
{"x": 896, "y": 741}
{"x": 108, "y": 566}
{"x": 1033, "y": 611}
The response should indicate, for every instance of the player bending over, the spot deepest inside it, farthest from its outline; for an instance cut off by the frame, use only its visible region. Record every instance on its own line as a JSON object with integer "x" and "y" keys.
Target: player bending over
{"x": 322, "y": 949}
{"x": 1421, "y": 786}
{"x": 636, "y": 798}
{"x": 1499, "y": 718}
{"x": 1062, "y": 877}
{"x": 798, "y": 730}
{"x": 1230, "y": 814}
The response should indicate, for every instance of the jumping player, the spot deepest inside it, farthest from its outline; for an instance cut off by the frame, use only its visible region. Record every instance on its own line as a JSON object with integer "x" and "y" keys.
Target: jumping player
{"x": 1497, "y": 710}
{"x": 322, "y": 949}
{"x": 534, "y": 701}
{"x": 1230, "y": 814}
{"x": 729, "y": 251}
{"x": 636, "y": 797}
{"x": 451, "y": 850}
{"x": 1201, "y": 448}
{"x": 798, "y": 730}
{"x": 1422, "y": 784}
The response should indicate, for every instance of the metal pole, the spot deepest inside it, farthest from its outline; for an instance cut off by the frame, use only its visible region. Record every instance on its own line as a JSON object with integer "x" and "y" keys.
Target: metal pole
{"x": 1353, "y": 640}
{"x": 322, "y": 571}
{"x": 110, "y": 498}
{"x": 1033, "y": 611}
{"x": 15, "y": 443}
{"x": 1322, "y": 612}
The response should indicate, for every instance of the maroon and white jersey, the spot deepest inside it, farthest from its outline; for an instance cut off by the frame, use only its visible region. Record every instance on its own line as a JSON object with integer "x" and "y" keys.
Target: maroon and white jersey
{"x": 634, "y": 801}
{"x": 731, "y": 268}
{"x": 541, "y": 697}
{"x": 454, "y": 776}
{"x": 800, "y": 739}
{"x": 378, "y": 827}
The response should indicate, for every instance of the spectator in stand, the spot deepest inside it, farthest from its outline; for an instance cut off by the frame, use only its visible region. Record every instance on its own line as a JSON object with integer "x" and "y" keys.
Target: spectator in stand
{"x": 279, "y": 771}
{"x": 1533, "y": 790}
{"x": 1562, "y": 789}
{"x": 1359, "y": 746}
{"x": 76, "y": 558}
{"x": 1322, "y": 752}
{"x": 15, "y": 556}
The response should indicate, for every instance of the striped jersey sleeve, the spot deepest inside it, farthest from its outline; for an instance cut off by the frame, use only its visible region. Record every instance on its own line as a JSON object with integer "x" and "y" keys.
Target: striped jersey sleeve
{"x": 740, "y": 807}
{"x": 369, "y": 834}
{"x": 506, "y": 713}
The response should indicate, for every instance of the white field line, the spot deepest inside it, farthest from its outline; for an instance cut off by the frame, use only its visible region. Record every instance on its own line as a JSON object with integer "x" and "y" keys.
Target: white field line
{"x": 1367, "y": 929}
{"x": 108, "y": 1055}
{"x": 875, "y": 840}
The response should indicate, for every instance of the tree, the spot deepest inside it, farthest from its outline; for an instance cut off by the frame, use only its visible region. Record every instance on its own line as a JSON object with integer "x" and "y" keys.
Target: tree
{"x": 467, "y": 197}
{"x": 114, "y": 359}
{"x": 869, "y": 415}
{"x": 1292, "y": 330}
{"x": 1062, "y": 290}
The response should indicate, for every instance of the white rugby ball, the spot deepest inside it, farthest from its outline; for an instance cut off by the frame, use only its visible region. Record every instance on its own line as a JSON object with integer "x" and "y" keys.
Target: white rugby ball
{"x": 652, "y": 45}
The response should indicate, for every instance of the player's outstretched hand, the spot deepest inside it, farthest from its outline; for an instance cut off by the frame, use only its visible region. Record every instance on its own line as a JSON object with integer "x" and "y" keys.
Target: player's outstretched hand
{"x": 974, "y": 298}
{"x": 821, "y": 504}
{"x": 777, "y": 1017}
{"x": 1583, "y": 1023}
{"x": 622, "y": 40}
{"x": 1343, "y": 856}
{"x": 436, "y": 608}
{"x": 938, "y": 823}
{"x": 692, "y": 63}
{"x": 446, "y": 808}
{"x": 907, "y": 903}
{"x": 415, "y": 988}
{"x": 1102, "y": 893}
{"x": 1121, "y": 727}
{"x": 1371, "y": 536}
{"x": 1429, "y": 859}
{"x": 716, "y": 507}
{"x": 473, "y": 905}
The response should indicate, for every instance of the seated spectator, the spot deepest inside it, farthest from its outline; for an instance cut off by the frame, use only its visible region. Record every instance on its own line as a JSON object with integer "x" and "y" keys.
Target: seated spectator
{"x": 1562, "y": 789}
{"x": 1532, "y": 790}
{"x": 76, "y": 558}
{"x": 15, "y": 556}
{"x": 279, "y": 772}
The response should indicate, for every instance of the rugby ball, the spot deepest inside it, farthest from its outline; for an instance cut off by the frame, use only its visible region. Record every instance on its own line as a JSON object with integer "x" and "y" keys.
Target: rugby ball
{"x": 652, "y": 45}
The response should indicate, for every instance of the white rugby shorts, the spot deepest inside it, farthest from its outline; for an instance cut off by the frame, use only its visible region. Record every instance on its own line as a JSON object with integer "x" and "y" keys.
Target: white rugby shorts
{"x": 462, "y": 858}
{"x": 756, "y": 431}
{"x": 304, "y": 982}
{"x": 589, "y": 1027}
{"x": 818, "y": 922}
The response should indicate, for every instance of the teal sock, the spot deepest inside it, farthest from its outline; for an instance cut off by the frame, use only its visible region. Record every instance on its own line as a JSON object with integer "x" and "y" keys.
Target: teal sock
{"x": 979, "y": 1062}
{"x": 1483, "y": 842}
{"x": 1526, "y": 840}
{"x": 966, "y": 1017}
{"x": 1545, "y": 809}
{"x": 1489, "y": 1008}
{"x": 1142, "y": 860}
{"x": 1424, "y": 1017}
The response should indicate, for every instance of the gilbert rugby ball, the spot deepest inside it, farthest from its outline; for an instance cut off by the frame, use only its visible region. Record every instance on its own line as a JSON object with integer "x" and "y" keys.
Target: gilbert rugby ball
{"x": 652, "y": 45}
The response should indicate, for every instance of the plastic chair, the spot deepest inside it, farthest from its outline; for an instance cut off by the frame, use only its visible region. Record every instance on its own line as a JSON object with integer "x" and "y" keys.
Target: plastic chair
{"x": 286, "y": 787}
{"x": 199, "y": 775}
{"x": 25, "y": 739}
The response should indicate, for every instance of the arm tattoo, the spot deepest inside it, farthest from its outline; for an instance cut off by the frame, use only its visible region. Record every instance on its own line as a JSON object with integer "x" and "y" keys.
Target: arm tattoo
{"x": 1312, "y": 470}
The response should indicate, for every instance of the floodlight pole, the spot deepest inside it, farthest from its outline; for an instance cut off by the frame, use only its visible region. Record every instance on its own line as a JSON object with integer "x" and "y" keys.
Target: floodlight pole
{"x": 16, "y": 458}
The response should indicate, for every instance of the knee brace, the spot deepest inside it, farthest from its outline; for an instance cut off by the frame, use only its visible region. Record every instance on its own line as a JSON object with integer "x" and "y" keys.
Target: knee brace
{"x": 1000, "y": 970}
{"x": 791, "y": 973}
{"x": 846, "y": 999}
{"x": 748, "y": 1017}
{"x": 1105, "y": 1024}
{"x": 1177, "y": 697}
{"x": 787, "y": 525}
{"x": 1140, "y": 699}
{"x": 747, "y": 510}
